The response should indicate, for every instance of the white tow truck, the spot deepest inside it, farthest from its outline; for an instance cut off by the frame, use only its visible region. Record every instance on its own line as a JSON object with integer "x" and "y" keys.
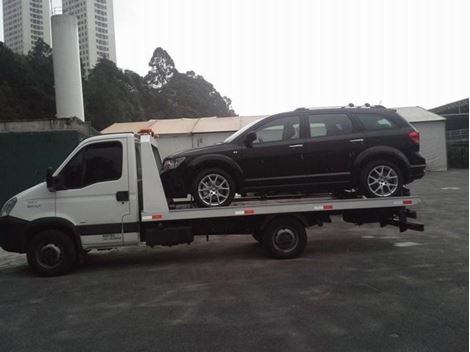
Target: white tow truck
{"x": 108, "y": 193}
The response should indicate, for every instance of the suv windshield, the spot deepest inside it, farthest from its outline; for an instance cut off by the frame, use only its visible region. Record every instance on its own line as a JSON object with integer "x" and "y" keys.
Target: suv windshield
{"x": 232, "y": 137}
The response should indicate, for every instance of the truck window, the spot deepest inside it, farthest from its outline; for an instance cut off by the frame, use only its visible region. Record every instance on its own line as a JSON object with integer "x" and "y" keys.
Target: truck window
{"x": 98, "y": 162}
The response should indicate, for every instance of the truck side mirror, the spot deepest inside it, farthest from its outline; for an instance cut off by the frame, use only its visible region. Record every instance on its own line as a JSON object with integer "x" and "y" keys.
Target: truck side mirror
{"x": 50, "y": 180}
{"x": 250, "y": 138}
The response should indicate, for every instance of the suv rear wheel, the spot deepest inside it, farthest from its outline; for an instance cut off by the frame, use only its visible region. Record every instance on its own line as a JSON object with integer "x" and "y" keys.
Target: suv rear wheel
{"x": 213, "y": 187}
{"x": 381, "y": 178}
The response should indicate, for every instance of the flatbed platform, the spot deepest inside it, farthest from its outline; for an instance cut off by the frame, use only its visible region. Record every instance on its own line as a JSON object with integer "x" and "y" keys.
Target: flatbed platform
{"x": 243, "y": 207}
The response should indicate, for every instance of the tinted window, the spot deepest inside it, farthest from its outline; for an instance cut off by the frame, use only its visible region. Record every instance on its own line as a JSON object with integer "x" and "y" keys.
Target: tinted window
{"x": 96, "y": 163}
{"x": 72, "y": 173}
{"x": 373, "y": 122}
{"x": 283, "y": 129}
{"x": 329, "y": 125}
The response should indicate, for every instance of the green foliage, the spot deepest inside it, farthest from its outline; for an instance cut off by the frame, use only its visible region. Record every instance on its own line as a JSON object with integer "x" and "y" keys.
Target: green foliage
{"x": 110, "y": 94}
{"x": 26, "y": 83}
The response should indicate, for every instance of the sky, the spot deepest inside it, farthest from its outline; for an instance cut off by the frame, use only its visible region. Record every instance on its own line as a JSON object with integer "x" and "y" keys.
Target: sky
{"x": 270, "y": 56}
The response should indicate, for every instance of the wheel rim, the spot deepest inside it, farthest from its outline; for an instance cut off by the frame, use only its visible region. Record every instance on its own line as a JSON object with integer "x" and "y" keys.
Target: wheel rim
{"x": 382, "y": 181}
{"x": 49, "y": 255}
{"x": 213, "y": 189}
{"x": 285, "y": 239}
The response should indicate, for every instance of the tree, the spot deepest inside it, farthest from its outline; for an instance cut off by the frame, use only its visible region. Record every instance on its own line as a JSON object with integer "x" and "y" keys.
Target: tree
{"x": 26, "y": 84}
{"x": 162, "y": 69}
{"x": 185, "y": 94}
{"x": 112, "y": 95}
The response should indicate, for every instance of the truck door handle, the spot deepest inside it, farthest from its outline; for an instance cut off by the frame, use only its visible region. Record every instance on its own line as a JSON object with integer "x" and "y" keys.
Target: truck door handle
{"x": 359, "y": 140}
{"x": 122, "y": 196}
{"x": 296, "y": 146}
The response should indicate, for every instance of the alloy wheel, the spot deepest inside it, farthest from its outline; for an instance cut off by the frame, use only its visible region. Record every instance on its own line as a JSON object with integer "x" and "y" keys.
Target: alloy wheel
{"x": 382, "y": 181}
{"x": 213, "y": 189}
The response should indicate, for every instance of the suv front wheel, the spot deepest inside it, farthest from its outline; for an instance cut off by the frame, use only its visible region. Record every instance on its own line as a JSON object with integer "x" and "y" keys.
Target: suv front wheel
{"x": 381, "y": 178}
{"x": 213, "y": 187}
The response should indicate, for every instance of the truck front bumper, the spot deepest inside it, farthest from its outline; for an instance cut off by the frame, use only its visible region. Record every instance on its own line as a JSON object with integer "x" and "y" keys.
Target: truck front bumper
{"x": 13, "y": 234}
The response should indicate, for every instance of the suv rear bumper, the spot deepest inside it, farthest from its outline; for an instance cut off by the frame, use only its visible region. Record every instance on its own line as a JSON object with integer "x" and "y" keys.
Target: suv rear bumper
{"x": 416, "y": 172}
{"x": 13, "y": 234}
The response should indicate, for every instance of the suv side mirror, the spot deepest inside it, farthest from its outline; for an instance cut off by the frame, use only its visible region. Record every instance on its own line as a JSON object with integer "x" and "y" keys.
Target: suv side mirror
{"x": 51, "y": 181}
{"x": 250, "y": 138}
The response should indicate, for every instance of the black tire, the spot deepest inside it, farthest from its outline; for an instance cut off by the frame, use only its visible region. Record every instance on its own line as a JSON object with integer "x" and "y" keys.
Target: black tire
{"x": 367, "y": 188}
{"x": 51, "y": 253}
{"x": 202, "y": 175}
{"x": 284, "y": 238}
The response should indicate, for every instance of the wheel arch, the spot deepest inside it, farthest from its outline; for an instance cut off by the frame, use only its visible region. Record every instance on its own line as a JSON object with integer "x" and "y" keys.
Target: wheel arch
{"x": 300, "y": 218}
{"x": 218, "y": 161}
{"x": 53, "y": 223}
{"x": 381, "y": 152}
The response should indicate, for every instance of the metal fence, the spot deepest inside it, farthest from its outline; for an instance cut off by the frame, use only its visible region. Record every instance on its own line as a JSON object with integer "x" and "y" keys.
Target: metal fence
{"x": 457, "y": 136}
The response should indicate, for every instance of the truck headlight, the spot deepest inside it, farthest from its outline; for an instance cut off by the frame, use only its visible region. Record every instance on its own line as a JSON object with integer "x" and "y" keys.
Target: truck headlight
{"x": 8, "y": 206}
{"x": 172, "y": 163}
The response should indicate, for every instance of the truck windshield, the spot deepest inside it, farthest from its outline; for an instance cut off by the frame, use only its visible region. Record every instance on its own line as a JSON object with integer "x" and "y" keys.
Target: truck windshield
{"x": 231, "y": 138}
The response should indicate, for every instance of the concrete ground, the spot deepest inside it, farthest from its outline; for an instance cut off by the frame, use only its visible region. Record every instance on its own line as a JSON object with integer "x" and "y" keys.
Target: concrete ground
{"x": 356, "y": 288}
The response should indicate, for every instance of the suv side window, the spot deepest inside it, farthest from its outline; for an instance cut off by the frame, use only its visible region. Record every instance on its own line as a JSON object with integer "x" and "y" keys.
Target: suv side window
{"x": 373, "y": 122}
{"x": 329, "y": 125}
{"x": 283, "y": 129}
{"x": 98, "y": 162}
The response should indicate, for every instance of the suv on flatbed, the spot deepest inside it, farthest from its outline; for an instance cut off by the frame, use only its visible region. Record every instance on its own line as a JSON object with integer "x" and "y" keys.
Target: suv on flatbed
{"x": 373, "y": 150}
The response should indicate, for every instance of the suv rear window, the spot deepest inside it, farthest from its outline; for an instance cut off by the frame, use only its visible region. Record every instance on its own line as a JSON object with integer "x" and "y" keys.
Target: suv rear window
{"x": 373, "y": 122}
{"x": 329, "y": 125}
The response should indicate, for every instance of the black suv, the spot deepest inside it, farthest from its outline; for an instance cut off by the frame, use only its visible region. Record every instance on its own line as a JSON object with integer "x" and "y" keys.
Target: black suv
{"x": 373, "y": 150}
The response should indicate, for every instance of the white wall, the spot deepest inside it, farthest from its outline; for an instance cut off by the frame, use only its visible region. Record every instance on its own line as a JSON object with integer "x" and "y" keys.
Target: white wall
{"x": 433, "y": 144}
{"x": 205, "y": 139}
{"x": 170, "y": 144}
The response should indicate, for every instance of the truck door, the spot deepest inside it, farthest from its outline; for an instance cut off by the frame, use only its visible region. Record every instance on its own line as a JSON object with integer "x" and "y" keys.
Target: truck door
{"x": 94, "y": 193}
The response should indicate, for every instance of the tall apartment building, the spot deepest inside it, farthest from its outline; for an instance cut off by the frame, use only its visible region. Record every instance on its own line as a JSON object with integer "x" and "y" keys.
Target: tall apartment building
{"x": 24, "y": 22}
{"x": 95, "y": 29}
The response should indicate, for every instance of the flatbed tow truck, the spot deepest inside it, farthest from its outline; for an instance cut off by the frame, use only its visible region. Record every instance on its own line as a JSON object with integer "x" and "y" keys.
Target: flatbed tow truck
{"x": 108, "y": 193}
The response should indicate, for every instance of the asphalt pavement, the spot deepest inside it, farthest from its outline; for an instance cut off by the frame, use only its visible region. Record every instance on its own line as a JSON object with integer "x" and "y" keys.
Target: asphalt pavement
{"x": 356, "y": 288}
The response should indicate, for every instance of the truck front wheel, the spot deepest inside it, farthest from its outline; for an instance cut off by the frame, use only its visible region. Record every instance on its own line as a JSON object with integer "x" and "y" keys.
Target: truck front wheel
{"x": 284, "y": 238}
{"x": 51, "y": 253}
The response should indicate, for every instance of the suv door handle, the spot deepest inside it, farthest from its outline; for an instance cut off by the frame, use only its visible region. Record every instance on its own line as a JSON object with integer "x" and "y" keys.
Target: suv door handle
{"x": 359, "y": 140}
{"x": 296, "y": 146}
{"x": 122, "y": 196}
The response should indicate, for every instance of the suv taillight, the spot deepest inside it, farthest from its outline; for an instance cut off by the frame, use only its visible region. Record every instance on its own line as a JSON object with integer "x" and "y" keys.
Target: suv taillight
{"x": 414, "y": 136}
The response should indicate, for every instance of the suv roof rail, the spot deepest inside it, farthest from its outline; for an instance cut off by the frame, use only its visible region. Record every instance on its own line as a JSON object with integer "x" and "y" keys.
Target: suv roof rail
{"x": 365, "y": 106}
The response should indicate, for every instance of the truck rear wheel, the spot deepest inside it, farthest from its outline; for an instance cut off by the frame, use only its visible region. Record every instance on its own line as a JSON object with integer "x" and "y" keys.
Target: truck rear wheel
{"x": 51, "y": 253}
{"x": 284, "y": 238}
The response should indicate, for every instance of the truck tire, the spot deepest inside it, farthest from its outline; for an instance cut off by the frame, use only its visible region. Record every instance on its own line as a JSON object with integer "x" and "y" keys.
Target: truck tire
{"x": 51, "y": 253}
{"x": 381, "y": 178}
{"x": 213, "y": 187}
{"x": 284, "y": 238}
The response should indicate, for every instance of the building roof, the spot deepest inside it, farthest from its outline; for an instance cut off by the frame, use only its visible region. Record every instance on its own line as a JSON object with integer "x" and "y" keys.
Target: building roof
{"x": 417, "y": 114}
{"x": 185, "y": 125}
{"x": 231, "y": 124}
{"x": 456, "y": 106}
